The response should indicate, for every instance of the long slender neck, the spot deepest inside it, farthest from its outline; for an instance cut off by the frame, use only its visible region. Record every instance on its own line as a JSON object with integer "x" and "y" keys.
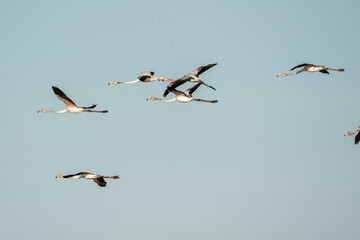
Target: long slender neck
{"x": 202, "y": 100}
{"x": 114, "y": 82}
{"x": 286, "y": 74}
{"x": 289, "y": 74}
{"x": 104, "y": 111}
{"x": 50, "y": 111}
{"x": 165, "y": 100}
{"x": 165, "y": 79}
{"x": 349, "y": 133}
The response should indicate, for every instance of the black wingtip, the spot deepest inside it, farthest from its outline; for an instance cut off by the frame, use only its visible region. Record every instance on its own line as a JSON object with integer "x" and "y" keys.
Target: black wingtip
{"x": 92, "y": 106}
{"x": 56, "y": 90}
{"x": 166, "y": 93}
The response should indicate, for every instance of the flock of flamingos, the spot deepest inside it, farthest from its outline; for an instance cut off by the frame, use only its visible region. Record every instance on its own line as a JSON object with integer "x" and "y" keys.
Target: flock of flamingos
{"x": 180, "y": 96}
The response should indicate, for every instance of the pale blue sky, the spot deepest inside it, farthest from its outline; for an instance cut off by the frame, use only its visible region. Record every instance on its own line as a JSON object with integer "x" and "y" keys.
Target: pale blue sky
{"x": 269, "y": 161}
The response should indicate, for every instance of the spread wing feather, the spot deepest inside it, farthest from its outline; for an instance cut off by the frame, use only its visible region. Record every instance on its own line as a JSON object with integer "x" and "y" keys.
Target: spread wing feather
{"x": 324, "y": 71}
{"x": 193, "y": 89}
{"x": 301, "y": 65}
{"x": 100, "y": 181}
{"x": 62, "y": 96}
{"x": 202, "y": 69}
{"x": 176, "y": 84}
{"x": 357, "y": 137}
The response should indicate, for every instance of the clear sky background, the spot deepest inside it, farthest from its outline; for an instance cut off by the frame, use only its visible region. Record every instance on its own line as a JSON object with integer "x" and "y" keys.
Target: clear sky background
{"x": 268, "y": 161}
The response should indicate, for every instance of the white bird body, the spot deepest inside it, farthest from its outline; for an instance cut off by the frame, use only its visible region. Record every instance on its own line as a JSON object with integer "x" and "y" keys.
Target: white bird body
{"x": 314, "y": 68}
{"x": 74, "y": 110}
{"x": 182, "y": 98}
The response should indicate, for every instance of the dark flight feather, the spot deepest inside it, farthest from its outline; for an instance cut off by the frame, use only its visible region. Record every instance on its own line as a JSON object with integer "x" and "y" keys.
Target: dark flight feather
{"x": 202, "y": 69}
{"x": 100, "y": 181}
{"x": 62, "y": 96}
{"x": 193, "y": 89}
{"x": 301, "y": 65}
{"x": 324, "y": 71}
{"x": 357, "y": 138}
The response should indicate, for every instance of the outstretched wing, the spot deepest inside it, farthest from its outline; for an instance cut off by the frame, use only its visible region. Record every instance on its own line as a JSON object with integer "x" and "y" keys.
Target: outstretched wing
{"x": 71, "y": 175}
{"x": 100, "y": 181}
{"x": 324, "y": 71}
{"x": 61, "y": 95}
{"x": 76, "y": 175}
{"x": 192, "y": 89}
{"x": 202, "y": 69}
{"x": 175, "y": 84}
{"x": 301, "y": 65}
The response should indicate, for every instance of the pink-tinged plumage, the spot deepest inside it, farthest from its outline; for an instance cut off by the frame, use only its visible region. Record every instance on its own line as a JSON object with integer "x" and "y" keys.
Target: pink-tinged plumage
{"x": 71, "y": 107}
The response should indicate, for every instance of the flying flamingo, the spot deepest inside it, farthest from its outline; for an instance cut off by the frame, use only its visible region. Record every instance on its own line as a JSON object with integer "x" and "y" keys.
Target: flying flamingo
{"x": 70, "y": 105}
{"x": 145, "y": 77}
{"x": 310, "y": 68}
{"x": 97, "y": 178}
{"x": 183, "y": 97}
{"x": 190, "y": 77}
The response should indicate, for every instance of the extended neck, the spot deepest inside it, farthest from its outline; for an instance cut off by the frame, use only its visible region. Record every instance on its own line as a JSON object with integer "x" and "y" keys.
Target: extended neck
{"x": 115, "y": 82}
{"x": 349, "y": 133}
{"x": 50, "y": 111}
{"x": 289, "y": 74}
{"x": 164, "y": 100}
{"x": 165, "y": 79}
{"x": 286, "y": 74}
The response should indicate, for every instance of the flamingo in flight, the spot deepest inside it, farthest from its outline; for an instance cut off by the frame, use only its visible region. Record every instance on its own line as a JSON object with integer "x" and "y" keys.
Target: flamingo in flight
{"x": 145, "y": 77}
{"x": 310, "y": 68}
{"x": 97, "y": 178}
{"x": 357, "y": 135}
{"x": 190, "y": 77}
{"x": 183, "y": 97}
{"x": 70, "y": 105}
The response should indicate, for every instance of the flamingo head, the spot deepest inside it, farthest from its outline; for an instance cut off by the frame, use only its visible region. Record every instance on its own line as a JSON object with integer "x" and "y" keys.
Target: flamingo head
{"x": 150, "y": 98}
{"x": 113, "y": 82}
